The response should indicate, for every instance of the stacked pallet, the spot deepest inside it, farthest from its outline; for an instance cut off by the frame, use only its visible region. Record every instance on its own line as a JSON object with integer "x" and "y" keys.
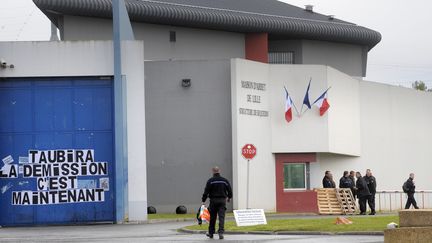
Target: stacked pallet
{"x": 328, "y": 202}
{"x": 332, "y": 201}
{"x": 346, "y": 200}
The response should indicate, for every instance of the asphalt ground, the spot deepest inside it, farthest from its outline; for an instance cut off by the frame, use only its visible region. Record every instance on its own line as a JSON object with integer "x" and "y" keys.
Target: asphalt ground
{"x": 157, "y": 232}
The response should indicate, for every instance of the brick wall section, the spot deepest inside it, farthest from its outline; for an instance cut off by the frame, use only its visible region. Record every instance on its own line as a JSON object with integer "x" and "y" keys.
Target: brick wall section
{"x": 256, "y": 47}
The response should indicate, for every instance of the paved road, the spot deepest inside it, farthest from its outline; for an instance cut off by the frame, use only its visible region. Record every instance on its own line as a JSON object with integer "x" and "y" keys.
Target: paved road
{"x": 162, "y": 232}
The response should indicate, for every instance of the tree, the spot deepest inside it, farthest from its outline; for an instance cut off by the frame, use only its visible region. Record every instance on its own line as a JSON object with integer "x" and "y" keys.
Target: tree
{"x": 420, "y": 85}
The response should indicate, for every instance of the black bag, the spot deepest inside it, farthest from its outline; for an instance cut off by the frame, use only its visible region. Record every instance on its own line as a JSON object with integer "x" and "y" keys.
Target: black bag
{"x": 405, "y": 187}
{"x": 198, "y": 216}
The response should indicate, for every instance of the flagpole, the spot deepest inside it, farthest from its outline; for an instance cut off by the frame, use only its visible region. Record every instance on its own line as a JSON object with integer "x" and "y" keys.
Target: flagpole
{"x": 298, "y": 114}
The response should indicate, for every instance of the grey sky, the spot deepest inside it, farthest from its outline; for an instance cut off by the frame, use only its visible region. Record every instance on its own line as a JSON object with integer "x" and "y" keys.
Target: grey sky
{"x": 403, "y": 55}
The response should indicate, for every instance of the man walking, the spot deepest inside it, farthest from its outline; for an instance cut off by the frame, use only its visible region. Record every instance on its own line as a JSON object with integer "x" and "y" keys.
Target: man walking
{"x": 409, "y": 189}
{"x": 218, "y": 189}
{"x": 362, "y": 192}
{"x": 371, "y": 183}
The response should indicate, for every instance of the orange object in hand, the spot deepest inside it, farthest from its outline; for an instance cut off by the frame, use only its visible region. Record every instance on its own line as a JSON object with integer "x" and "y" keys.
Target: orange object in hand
{"x": 204, "y": 214}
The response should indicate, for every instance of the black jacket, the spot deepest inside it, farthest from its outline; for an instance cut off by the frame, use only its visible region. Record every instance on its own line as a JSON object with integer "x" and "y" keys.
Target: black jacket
{"x": 371, "y": 183}
{"x": 353, "y": 180}
{"x": 345, "y": 182}
{"x": 362, "y": 188}
{"x": 217, "y": 187}
{"x": 327, "y": 183}
{"x": 410, "y": 185}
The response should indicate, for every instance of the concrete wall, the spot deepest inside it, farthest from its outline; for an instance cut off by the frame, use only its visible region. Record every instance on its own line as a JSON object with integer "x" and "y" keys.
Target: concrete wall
{"x": 368, "y": 125}
{"x": 347, "y": 58}
{"x": 93, "y": 58}
{"x": 337, "y": 131}
{"x": 188, "y": 130}
{"x": 191, "y": 44}
{"x": 395, "y": 139}
{"x": 249, "y": 128}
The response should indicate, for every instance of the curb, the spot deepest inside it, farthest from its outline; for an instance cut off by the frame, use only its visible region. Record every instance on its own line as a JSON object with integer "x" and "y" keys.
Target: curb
{"x": 157, "y": 221}
{"x": 183, "y": 230}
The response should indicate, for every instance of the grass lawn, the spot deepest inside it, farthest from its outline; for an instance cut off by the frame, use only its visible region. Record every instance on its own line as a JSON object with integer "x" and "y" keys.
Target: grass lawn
{"x": 373, "y": 223}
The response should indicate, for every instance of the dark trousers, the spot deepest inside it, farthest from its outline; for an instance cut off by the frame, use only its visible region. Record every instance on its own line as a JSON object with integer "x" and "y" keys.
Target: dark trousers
{"x": 371, "y": 202}
{"x": 354, "y": 193}
{"x": 362, "y": 203}
{"x": 411, "y": 200}
{"x": 217, "y": 208}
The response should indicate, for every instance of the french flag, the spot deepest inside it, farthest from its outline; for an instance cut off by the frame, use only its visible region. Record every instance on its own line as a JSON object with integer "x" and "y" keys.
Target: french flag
{"x": 322, "y": 103}
{"x": 288, "y": 107}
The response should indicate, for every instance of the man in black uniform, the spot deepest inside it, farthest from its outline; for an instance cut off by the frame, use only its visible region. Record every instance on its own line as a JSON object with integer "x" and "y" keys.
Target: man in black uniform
{"x": 345, "y": 181}
{"x": 218, "y": 189}
{"x": 362, "y": 192}
{"x": 327, "y": 181}
{"x": 409, "y": 188}
{"x": 371, "y": 183}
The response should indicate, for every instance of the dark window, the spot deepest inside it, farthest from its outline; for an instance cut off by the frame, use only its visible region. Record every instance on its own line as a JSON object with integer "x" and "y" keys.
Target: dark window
{"x": 172, "y": 36}
{"x": 296, "y": 176}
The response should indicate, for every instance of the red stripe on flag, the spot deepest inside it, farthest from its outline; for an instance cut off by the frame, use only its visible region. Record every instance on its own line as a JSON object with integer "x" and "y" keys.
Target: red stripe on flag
{"x": 324, "y": 107}
{"x": 288, "y": 115}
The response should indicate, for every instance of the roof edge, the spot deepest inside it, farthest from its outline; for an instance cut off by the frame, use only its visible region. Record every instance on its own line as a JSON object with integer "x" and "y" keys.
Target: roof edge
{"x": 155, "y": 12}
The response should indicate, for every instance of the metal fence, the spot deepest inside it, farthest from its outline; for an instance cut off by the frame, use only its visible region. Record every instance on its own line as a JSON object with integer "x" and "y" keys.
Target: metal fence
{"x": 396, "y": 200}
{"x": 281, "y": 57}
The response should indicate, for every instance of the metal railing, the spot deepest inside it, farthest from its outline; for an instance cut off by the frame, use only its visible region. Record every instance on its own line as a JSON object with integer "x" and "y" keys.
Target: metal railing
{"x": 394, "y": 200}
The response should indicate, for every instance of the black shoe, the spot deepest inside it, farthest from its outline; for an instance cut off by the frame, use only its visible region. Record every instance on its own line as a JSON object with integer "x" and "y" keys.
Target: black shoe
{"x": 221, "y": 237}
{"x": 209, "y": 235}
{"x": 372, "y": 213}
{"x": 362, "y": 213}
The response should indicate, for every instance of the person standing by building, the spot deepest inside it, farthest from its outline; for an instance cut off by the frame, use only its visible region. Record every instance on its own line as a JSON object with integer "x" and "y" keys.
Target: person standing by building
{"x": 218, "y": 189}
{"x": 371, "y": 183}
{"x": 345, "y": 181}
{"x": 352, "y": 177}
{"x": 328, "y": 181}
{"x": 409, "y": 189}
{"x": 362, "y": 192}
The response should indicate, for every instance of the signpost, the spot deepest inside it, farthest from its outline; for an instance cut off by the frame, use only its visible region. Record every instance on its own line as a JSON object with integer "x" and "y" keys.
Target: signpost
{"x": 248, "y": 152}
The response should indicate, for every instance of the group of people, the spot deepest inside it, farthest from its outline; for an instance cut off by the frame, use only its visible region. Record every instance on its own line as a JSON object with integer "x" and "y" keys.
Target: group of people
{"x": 364, "y": 188}
{"x": 219, "y": 191}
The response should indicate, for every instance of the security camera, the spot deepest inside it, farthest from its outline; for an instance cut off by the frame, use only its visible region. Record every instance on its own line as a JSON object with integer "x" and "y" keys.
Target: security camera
{"x": 3, "y": 63}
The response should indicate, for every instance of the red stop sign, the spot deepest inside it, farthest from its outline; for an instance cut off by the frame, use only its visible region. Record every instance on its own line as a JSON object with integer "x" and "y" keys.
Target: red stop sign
{"x": 249, "y": 151}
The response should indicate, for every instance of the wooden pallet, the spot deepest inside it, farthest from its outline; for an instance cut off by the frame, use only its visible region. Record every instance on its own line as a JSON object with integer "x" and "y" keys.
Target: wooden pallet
{"x": 347, "y": 201}
{"x": 332, "y": 201}
{"x": 328, "y": 202}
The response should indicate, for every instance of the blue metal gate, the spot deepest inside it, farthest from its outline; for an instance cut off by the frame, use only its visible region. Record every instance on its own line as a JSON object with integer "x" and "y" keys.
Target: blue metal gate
{"x": 56, "y": 151}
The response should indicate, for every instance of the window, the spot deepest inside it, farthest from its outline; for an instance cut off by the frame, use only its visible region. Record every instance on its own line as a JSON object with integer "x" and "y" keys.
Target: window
{"x": 281, "y": 57}
{"x": 295, "y": 176}
{"x": 172, "y": 36}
